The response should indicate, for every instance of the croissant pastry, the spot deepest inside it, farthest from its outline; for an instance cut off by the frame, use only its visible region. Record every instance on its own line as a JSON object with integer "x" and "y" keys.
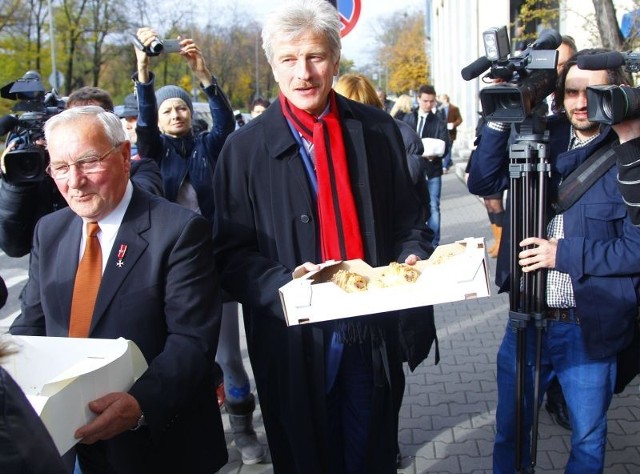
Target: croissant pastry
{"x": 399, "y": 274}
{"x": 349, "y": 282}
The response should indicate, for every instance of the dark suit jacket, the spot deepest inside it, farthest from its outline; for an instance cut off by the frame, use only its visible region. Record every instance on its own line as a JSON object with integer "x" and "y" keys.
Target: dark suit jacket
{"x": 434, "y": 127}
{"x": 165, "y": 298}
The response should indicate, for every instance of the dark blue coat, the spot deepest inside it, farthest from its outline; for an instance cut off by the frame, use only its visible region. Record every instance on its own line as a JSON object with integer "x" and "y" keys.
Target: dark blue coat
{"x": 600, "y": 248}
{"x": 192, "y": 155}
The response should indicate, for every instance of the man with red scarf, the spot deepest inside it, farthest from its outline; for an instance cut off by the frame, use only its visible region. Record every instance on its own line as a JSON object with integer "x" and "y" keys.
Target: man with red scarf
{"x": 318, "y": 177}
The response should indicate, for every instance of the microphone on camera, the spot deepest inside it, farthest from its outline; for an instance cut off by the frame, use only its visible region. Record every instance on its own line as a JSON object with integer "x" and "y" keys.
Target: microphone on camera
{"x": 476, "y": 68}
{"x": 7, "y": 123}
{"x": 595, "y": 62}
{"x": 548, "y": 39}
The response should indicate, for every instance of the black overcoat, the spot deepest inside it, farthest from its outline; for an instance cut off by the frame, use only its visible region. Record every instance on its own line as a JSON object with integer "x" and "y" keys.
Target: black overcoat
{"x": 266, "y": 225}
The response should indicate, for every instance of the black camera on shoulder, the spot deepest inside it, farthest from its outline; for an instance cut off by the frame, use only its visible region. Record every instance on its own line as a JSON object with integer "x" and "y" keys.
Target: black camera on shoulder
{"x": 28, "y": 160}
{"x": 529, "y": 77}
{"x": 611, "y": 104}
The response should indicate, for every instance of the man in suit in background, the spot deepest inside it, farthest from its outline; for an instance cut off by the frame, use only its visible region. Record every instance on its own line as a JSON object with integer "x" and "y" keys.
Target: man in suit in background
{"x": 155, "y": 286}
{"x": 450, "y": 114}
{"x": 428, "y": 124}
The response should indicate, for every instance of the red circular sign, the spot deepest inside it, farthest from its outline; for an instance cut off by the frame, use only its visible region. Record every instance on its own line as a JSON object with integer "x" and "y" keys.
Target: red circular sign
{"x": 349, "y": 11}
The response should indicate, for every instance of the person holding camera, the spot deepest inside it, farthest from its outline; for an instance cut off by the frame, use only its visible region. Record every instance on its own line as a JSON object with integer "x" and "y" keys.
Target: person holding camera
{"x": 628, "y": 162}
{"x": 186, "y": 160}
{"x": 24, "y": 201}
{"x": 592, "y": 275}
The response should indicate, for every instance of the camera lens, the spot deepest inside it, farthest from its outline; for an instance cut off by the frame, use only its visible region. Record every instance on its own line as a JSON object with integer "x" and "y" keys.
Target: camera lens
{"x": 156, "y": 46}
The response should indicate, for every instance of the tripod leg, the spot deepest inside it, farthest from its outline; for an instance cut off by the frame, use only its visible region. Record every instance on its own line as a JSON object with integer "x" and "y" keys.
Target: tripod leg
{"x": 521, "y": 362}
{"x": 536, "y": 394}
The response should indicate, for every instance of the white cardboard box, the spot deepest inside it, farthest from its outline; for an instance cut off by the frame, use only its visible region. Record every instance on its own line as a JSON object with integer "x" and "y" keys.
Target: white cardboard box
{"x": 61, "y": 375}
{"x": 454, "y": 272}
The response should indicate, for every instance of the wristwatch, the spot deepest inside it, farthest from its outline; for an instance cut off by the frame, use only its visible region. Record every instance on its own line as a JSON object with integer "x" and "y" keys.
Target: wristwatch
{"x": 141, "y": 422}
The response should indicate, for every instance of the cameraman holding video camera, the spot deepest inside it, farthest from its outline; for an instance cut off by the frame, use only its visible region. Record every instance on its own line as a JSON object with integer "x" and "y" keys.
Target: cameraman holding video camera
{"x": 26, "y": 192}
{"x": 592, "y": 279}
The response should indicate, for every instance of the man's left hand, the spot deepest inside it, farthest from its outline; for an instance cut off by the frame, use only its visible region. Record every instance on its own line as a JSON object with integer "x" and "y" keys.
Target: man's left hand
{"x": 627, "y": 130}
{"x": 541, "y": 255}
{"x": 117, "y": 412}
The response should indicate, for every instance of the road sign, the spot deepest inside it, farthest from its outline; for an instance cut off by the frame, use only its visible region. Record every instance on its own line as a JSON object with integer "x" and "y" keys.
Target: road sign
{"x": 349, "y": 11}
{"x": 56, "y": 84}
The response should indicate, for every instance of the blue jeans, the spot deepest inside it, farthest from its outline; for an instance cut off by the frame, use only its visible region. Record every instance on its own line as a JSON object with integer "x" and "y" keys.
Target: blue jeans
{"x": 447, "y": 161}
{"x": 236, "y": 379}
{"x": 587, "y": 385}
{"x": 435, "y": 188}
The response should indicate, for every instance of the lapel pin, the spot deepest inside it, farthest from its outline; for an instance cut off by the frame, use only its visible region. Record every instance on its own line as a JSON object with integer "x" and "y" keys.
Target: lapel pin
{"x": 121, "y": 252}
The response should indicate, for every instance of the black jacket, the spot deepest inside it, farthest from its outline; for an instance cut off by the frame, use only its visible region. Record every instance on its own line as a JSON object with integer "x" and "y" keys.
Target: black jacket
{"x": 266, "y": 225}
{"x": 25, "y": 444}
{"x": 434, "y": 127}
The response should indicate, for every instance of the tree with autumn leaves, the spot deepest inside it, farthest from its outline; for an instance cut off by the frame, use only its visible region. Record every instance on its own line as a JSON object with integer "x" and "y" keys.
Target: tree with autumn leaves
{"x": 404, "y": 52}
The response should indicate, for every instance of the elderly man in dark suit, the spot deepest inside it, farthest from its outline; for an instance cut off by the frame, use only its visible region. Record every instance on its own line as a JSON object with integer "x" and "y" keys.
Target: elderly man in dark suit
{"x": 316, "y": 177}
{"x": 152, "y": 282}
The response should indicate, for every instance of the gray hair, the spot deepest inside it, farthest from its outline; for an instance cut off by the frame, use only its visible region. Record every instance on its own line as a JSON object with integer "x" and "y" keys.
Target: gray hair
{"x": 111, "y": 124}
{"x": 294, "y": 18}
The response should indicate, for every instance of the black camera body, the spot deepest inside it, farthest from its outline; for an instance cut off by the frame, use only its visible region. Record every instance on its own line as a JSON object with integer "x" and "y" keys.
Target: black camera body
{"x": 28, "y": 160}
{"x": 529, "y": 76}
{"x": 612, "y": 104}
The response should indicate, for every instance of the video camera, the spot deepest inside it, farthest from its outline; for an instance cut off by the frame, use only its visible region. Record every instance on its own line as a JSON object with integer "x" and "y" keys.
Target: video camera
{"x": 157, "y": 46}
{"x": 27, "y": 162}
{"x": 611, "y": 104}
{"x": 529, "y": 76}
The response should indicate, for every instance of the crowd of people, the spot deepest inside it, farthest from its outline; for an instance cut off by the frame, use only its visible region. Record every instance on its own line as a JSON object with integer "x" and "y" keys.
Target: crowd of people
{"x": 157, "y": 228}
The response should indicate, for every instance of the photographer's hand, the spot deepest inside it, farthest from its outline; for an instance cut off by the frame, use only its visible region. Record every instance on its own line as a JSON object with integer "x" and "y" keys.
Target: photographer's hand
{"x": 10, "y": 146}
{"x": 146, "y": 36}
{"x": 193, "y": 55}
{"x": 627, "y": 130}
{"x": 542, "y": 255}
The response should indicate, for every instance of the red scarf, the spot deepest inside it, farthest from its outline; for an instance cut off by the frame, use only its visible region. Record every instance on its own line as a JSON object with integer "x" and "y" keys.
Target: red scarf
{"x": 340, "y": 237}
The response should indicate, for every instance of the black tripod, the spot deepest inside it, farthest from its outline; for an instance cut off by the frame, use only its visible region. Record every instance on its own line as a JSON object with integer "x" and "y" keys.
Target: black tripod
{"x": 529, "y": 172}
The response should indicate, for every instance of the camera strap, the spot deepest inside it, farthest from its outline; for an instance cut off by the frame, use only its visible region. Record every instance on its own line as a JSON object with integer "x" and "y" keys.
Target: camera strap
{"x": 583, "y": 177}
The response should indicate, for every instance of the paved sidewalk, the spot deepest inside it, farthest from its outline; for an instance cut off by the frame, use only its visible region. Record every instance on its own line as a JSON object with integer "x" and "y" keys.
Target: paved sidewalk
{"x": 448, "y": 413}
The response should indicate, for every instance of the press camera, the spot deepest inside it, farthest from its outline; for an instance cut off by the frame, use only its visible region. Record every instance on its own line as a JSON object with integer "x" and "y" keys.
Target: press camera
{"x": 27, "y": 161}
{"x": 527, "y": 78}
{"x": 611, "y": 104}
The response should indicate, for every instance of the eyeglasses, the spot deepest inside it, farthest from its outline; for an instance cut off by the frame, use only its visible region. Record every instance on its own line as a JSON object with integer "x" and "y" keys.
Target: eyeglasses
{"x": 88, "y": 165}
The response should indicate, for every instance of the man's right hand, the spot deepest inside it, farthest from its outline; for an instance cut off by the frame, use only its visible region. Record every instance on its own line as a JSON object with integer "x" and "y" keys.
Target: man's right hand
{"x": 6, "y": 151}
{"x": 305, "y": 268}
